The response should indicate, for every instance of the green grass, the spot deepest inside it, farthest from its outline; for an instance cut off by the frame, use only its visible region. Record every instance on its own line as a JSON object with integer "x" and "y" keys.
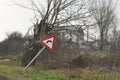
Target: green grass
{"x": 87, "y": 74}
{"x": 13, "y": 70}
{"x": 100, "y": 54}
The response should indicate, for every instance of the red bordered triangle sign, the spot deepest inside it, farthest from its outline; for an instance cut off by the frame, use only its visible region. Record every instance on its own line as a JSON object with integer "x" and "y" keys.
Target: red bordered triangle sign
{"x": 49, "y": 42}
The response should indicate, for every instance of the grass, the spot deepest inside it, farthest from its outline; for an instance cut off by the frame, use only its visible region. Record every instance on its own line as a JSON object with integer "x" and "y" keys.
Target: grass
{"x": 100, "y": 54}
{"x": 87, "y": 74}
{"x": 13, "y": 70}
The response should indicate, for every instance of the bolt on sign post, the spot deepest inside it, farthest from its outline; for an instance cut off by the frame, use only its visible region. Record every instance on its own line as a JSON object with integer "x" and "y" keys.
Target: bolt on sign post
{"x": 48, "y": 43}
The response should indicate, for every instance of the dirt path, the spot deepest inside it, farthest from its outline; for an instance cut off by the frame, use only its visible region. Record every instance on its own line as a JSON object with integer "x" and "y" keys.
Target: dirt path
{"x": 4, "y": 78}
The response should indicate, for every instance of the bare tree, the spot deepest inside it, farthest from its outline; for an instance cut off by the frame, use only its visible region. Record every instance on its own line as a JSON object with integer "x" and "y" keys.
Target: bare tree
{"x": 103, "y": 13}
{"x": 55, "y": 16}
{"x": 115, "y": 38}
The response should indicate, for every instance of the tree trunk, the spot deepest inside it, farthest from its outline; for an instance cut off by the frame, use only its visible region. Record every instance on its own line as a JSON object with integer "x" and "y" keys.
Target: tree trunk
{"x": 101, "y": 41}
{"x": 29, "y": 54}
{"x": 40, "y": 30}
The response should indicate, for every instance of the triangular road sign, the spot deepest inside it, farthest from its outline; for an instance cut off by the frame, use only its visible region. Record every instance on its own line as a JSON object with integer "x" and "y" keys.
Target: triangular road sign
{"x": 49, "y": 42}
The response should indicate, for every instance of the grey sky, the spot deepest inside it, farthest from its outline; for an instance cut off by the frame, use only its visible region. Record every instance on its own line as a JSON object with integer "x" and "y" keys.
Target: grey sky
{"x": 15, "y": 18}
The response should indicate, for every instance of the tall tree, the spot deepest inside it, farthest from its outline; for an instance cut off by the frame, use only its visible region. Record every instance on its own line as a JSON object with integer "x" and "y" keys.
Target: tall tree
{"x": 56, "y": 15}
{"x": 104, "y": 15}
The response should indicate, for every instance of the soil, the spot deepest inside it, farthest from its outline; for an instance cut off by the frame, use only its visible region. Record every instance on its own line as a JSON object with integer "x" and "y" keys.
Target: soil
{"x": 4, "y": 78}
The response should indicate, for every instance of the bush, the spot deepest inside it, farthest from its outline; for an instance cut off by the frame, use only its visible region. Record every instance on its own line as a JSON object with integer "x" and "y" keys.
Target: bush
{"x": 14, "y": 35}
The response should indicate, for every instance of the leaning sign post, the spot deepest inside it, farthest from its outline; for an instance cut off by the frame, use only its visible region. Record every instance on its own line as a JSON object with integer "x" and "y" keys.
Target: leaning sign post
{"x": 48, "y": 43}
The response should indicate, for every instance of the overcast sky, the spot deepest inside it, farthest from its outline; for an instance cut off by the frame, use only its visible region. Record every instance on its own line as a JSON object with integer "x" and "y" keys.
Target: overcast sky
{"x": 15, "y": 18}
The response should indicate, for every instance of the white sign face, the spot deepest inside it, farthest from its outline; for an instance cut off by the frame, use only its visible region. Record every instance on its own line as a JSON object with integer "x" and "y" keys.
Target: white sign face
{"x": 49, "y": 42}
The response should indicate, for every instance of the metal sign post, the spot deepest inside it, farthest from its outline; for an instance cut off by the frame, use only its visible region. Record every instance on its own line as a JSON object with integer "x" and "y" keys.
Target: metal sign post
{"x": 34, "y": 58}
{"x": 48, "y": 42}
